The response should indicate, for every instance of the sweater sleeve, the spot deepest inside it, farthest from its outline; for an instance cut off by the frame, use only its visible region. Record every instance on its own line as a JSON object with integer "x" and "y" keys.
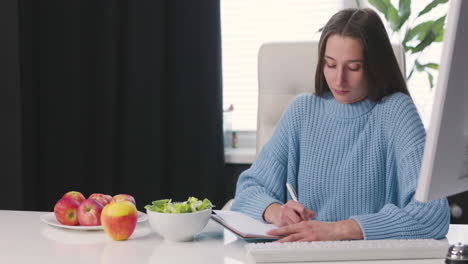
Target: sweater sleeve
{"x": 264, "y": 182}
{"x": 260, "y": 186}
{"x": 404, "y": 217}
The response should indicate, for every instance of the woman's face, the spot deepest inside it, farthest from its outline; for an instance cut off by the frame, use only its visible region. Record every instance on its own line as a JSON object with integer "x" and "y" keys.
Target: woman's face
{"x": 344, "y": 69}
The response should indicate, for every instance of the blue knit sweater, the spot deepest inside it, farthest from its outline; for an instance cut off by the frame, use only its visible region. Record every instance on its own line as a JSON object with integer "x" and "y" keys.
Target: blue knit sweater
{"x": 358, "y": 161}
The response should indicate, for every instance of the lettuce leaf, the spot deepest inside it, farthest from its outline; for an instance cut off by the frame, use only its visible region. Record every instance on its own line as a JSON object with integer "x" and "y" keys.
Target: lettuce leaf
{"x": 191, "y": 205}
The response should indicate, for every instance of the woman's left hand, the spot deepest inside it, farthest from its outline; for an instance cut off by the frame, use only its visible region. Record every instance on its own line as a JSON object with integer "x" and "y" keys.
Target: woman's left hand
{"x": 319, "y": 231}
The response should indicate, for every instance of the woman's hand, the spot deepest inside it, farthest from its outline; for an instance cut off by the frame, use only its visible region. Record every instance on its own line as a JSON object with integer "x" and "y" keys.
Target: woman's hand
{"x": 319, "y": 231}
{"x": 290, "y": 213}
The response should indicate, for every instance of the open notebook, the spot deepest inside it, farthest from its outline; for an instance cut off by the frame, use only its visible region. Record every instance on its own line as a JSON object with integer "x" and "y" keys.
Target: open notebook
{"x": 242, "y": 225}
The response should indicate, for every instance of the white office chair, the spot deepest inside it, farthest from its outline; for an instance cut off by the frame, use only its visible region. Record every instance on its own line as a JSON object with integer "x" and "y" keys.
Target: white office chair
{"x": 285, "y": 70}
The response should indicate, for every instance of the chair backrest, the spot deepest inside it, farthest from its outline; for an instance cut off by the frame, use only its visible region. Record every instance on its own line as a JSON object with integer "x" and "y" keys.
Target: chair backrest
{"x": 285, "y": 70}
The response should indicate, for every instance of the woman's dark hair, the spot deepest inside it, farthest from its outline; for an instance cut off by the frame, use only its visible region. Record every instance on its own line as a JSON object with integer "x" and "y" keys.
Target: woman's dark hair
{"x": 380, "y": 65}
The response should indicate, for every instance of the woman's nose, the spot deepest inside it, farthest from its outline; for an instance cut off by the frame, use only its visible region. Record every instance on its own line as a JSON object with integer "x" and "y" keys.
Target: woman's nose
{"x": 340, "y": 77}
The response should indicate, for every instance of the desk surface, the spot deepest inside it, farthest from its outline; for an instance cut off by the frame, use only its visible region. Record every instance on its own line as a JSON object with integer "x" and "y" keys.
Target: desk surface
{"x": 25, "y": 239}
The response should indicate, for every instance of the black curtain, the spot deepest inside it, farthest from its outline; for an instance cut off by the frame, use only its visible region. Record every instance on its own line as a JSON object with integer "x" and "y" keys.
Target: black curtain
{"x": 120, "y": 97}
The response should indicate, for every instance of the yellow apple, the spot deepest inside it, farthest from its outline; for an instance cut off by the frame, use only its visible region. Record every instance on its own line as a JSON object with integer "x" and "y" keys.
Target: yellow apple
{"x": 119, "y": 219}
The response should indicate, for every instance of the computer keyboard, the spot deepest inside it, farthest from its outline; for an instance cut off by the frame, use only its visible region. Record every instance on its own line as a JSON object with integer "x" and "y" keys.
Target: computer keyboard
{"x": 348, "y": 250}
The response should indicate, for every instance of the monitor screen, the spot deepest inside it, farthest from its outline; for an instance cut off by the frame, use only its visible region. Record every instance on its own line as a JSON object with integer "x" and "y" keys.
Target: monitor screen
{"x": 444, "y": 169}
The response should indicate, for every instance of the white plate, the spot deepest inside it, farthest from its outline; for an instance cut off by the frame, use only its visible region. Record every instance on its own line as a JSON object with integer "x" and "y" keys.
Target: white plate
{"x": 49, "y": 218}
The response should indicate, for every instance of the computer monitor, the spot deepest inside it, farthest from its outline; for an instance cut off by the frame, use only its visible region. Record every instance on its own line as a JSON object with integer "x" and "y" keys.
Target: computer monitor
{"x": 444, "y": 169}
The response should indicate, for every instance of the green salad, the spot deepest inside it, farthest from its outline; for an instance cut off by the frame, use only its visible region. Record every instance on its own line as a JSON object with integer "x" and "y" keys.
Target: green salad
{"x": 191, "y": 205}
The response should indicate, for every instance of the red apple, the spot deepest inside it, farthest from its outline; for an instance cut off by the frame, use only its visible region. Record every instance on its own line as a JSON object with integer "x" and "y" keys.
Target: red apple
{"x": 66, "y": 211}
{"x": 89, "y": 213}
{"x": 94, "y": 195}
{"x": 119, "y": 219}
{"x": 101, "y": 199}
{"x": 75, "y": 195}
{"x": 123, "y": 197}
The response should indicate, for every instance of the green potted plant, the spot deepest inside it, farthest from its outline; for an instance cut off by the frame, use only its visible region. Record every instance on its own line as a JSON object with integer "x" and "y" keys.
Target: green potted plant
{"x": 416, "y": 38}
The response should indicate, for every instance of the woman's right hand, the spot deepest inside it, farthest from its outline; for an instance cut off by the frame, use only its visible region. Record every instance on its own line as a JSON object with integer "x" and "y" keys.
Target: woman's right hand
{"x": 290, "y": 213}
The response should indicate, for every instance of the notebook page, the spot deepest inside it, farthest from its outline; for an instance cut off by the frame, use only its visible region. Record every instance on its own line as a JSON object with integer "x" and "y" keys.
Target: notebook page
{"x": 244, "y": 223}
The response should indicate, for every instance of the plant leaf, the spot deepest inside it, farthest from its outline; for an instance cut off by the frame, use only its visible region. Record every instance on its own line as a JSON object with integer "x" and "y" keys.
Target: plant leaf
{"x": 416, "y": 31}
{"x": 432, "y": 65}
{"x": 418, "y": 66}
{"x": 428, "y": 39}
{"x": 381, "y": 5}
{"x": 390, "y": 12}
{"x": 431, "y": 5}
{"x": 410, "y": 74}
{"x": 439, "y": 37}
{"x": 431, "y": 79}
{"x": 407, "y": 48}
{"x": 430, "y": 35}
{"x": 404, "y": 10}
{"x": 438, "y": 28}
{"x": 393, "y": 18}
{"x": 422, "y": 67}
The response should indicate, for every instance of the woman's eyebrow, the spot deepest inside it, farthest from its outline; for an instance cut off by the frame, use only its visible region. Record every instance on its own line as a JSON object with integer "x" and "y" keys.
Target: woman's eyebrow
{"x": 354, "y": 60}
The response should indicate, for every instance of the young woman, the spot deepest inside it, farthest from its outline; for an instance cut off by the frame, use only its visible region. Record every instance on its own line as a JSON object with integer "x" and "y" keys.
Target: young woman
{"x": 352, "y": 150}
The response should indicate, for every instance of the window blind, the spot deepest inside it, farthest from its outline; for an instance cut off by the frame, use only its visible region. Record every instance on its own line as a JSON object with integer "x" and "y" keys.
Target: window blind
{"x": 245, "y": 26}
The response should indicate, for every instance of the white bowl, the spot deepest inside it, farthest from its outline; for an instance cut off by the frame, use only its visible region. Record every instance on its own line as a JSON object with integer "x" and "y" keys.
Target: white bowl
{"x": 178, "y": 227}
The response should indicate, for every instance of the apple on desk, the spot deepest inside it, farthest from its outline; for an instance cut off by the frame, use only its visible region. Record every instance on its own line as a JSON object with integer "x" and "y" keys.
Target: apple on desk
{"x": 89, "y": 213}
{"x": 65, "y": 211}
{"x": 119, "y": 219}
{"x": 94, "y": 195}
{"x": 123, "y": 197}
{"x": 75, "y": 195}
{"x": 102, "y": 200}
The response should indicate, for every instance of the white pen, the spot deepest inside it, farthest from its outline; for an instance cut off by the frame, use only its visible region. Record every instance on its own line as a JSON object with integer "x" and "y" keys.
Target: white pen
{"x": 291, "y": 191}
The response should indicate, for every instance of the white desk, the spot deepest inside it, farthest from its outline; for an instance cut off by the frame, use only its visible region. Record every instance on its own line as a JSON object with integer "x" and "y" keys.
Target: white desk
{"x": 25, "y": 239}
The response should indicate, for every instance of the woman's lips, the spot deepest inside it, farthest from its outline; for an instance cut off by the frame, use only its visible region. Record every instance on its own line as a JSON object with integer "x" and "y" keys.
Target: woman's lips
{"x": 340, "y": 92}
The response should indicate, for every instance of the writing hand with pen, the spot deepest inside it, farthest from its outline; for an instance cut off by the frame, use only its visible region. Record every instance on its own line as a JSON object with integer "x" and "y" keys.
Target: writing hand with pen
{"x": 296, "y": 224}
